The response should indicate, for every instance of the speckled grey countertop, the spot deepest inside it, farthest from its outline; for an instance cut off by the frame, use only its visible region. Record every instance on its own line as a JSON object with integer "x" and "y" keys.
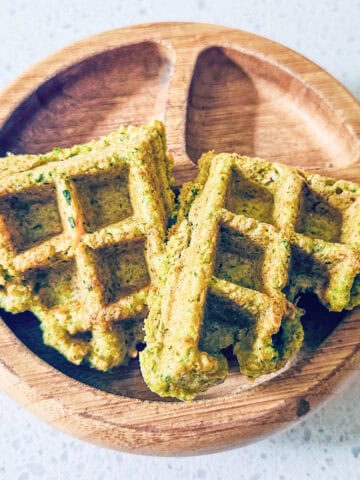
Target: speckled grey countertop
{"x": 327, "y": 444}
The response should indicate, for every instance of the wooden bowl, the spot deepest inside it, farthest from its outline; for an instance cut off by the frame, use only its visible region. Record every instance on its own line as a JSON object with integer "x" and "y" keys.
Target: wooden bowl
{"x": 216, "y": 88}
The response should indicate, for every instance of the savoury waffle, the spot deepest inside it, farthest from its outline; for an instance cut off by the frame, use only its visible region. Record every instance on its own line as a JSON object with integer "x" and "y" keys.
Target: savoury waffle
{"x": 233, "y": 259}
{"x": 254, "y": 229}
{"x": 82, "y": 233}
{"x": 315, "y": 214}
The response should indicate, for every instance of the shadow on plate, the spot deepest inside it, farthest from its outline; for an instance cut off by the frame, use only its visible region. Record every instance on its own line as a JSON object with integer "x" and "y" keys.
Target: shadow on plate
{"x": 127, "y": 380}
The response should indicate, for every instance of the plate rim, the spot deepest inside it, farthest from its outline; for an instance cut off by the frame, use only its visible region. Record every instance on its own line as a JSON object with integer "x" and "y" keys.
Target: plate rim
{"x": 139, "y": 434}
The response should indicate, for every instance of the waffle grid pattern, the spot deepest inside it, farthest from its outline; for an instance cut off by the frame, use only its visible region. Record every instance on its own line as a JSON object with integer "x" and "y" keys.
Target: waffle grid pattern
{"x": 303, "y": 227}
{"x": 185, "y": 370}
{"x": 317, "y": 216}
{"x": 75, "y": 249}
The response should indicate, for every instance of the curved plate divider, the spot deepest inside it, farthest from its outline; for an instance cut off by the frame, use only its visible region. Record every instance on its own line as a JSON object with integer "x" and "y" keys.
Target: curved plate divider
{"x": 222, "y": 105}
{"x": 216, "y": 88}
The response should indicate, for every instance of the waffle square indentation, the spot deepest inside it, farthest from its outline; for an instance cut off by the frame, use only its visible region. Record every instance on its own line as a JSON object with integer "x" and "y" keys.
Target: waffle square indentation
{"x": 104, "y": 198}
{"x": 249, "y": 198}
{"x": 122, "y": 269}
{"x": 31, "y": 216}
{"x": 56, "y": 285}
{"x": 318, "y": 218}
{"x": 239, "y": 259}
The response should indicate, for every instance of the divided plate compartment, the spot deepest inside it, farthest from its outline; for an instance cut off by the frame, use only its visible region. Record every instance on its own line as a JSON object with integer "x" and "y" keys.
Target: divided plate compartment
{"x": 215, "y": 88}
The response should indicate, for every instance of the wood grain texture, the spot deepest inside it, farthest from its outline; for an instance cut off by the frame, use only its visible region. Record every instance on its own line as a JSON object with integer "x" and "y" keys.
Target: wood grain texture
{"x": 215, "y": 88}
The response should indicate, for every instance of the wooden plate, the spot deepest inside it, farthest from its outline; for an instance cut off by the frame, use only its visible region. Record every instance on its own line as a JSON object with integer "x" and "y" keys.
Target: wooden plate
{"x": 216, "y": 88}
